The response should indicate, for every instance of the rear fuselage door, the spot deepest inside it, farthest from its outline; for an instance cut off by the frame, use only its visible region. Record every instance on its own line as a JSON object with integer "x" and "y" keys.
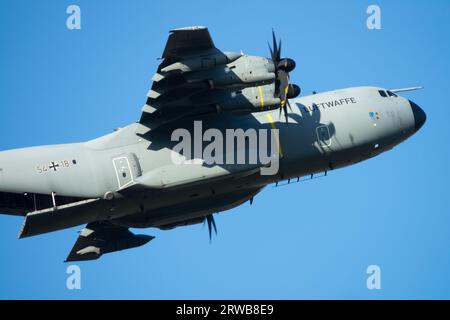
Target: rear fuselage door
{"x": 127, "y": 169}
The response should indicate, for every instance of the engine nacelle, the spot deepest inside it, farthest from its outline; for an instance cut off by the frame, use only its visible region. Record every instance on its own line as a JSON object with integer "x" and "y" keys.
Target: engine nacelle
{"x": 202, "y": 63}
{"x": 244, "y": 72}
{"x": 249, "y": 100}
{"x": 246, "y": 100}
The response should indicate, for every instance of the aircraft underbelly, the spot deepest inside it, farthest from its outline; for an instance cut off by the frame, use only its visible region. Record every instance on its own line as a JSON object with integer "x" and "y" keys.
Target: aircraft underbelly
{"x": 189, "y": 209}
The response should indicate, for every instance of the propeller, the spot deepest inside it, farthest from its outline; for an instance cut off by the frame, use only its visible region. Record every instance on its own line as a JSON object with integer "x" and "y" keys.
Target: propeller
{"x": 211, "y": 224}
{"x": 283, "y": 89}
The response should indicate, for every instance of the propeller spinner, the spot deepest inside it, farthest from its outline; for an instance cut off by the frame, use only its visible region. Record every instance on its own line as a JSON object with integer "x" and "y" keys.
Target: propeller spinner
{"x": 283, "y": 89}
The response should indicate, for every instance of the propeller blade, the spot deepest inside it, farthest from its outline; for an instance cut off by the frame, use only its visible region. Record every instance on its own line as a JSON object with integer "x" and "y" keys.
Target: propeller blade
{"x": 285, "y": 113}
{"x": 271, "y": 51}
{"x": 209, "y": 227}
{"x": 283, "y": 89}
{"x": 289, "y": 105}
{"x": 275, "y": 49}
{"x": 277, "y": 87}
{"x": 279, "y": 51}
{"x": 211, "y": 224}
{"x": 214, "y": 224}
{"x": 276, "y": 52}
{"x": 283, "y": 78}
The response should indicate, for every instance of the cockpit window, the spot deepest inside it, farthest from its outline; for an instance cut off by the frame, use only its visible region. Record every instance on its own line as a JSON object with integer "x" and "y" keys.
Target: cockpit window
{"x": 383, "y": 93}
{"x": 391, "y": 94}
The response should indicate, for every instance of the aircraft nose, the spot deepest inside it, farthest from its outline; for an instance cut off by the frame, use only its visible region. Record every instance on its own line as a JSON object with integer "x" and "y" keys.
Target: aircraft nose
{"x": 419, "y": 115}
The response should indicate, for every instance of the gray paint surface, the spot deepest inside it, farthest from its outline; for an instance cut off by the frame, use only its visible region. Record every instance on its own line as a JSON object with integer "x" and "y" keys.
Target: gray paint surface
{"x": 128, "y": 179}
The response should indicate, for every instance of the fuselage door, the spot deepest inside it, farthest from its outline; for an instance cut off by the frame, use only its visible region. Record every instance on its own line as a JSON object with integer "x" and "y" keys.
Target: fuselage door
{"x": 127, "y": 169}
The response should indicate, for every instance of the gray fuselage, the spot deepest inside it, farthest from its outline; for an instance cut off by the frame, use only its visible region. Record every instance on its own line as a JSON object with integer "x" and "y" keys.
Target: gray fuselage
{"x": 132, "y": 173}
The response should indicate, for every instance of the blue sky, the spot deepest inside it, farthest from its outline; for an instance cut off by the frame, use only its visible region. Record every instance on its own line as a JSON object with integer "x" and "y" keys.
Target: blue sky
{"x": 309, "y": 240}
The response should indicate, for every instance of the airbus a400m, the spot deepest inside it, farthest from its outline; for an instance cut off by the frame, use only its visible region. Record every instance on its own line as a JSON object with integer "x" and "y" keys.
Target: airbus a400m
{"x": 128, "y": 179}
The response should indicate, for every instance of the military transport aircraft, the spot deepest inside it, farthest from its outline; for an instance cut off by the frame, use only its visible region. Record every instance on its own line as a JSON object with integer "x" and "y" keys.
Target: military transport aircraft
{"x": 129, "y": 179}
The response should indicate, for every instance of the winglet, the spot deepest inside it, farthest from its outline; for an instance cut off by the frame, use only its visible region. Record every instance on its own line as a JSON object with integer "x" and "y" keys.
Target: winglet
{"x": 406, "y": 89}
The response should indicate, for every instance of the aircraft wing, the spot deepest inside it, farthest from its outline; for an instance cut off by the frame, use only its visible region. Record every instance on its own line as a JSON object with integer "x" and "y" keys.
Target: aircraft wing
{"x": 185, "y": 42}
{"x": 169, "y": 96}
{"x": 98, "y": 238}
{"x": 195, "y": 78}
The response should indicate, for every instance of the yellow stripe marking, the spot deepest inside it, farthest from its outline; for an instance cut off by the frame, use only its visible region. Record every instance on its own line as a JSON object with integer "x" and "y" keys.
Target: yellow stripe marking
{"x": 261, "y": 97}
{"x": 280, "y": 152}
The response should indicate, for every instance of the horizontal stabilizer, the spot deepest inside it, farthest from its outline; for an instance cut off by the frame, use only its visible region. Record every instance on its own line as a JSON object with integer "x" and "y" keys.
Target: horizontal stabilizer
{"x": 98, "y": 238}
{"x": 61, "y": 217}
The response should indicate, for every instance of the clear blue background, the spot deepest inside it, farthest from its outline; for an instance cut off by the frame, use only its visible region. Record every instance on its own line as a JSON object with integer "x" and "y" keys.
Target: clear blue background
{"x": 309, "y": 240}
